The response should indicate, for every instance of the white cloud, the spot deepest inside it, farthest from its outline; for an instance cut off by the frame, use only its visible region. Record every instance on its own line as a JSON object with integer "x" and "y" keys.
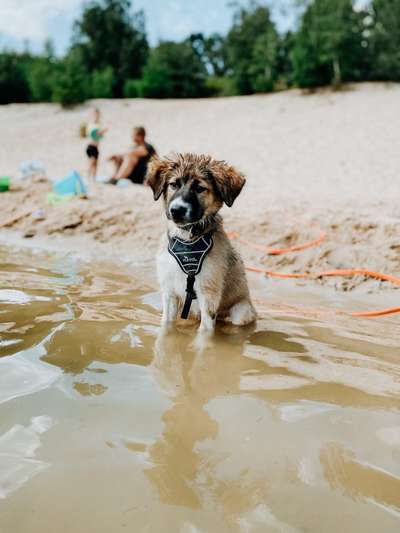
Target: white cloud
{"x": 31, "y": 19}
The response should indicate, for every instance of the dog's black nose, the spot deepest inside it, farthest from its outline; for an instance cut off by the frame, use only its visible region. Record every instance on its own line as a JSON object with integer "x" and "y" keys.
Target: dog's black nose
{"x": 179, "y": 212}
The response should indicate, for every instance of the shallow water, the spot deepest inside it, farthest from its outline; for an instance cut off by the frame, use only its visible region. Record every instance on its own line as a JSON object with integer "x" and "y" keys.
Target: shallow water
{"x": 108, "y": 426}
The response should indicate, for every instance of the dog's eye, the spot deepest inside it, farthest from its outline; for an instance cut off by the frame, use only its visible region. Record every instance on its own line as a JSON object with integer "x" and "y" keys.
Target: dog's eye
{"x": 199, "y": 188}
{"x": 174, "y": 185}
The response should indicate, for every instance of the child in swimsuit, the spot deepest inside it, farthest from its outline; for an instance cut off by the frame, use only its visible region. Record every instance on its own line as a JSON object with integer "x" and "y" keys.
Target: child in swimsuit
{"x": 94, "y": 133}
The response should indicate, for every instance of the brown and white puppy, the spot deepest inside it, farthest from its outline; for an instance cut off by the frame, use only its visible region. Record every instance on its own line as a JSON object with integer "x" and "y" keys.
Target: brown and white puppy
{"x": 194, "y": 188}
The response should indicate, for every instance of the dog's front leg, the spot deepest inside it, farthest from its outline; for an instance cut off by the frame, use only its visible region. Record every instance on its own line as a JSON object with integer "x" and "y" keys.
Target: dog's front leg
{"x": 208, "y": 313}
{"x": 170, "y": 308}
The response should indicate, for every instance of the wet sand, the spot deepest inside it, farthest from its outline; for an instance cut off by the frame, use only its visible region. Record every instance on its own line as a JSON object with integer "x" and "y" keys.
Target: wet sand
{"x": 106, "y": 425}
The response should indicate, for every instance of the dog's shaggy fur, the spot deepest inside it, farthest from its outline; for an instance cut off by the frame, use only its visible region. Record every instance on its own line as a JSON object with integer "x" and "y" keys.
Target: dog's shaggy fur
{"x": 194, "y": 188}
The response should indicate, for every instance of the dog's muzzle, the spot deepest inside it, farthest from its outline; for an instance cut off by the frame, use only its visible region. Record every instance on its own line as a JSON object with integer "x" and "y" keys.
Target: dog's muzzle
{"x": 182, "y": 212}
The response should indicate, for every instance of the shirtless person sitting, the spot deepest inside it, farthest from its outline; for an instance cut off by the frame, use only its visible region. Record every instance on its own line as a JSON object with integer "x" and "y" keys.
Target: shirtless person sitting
{"x": 133, "y": 165}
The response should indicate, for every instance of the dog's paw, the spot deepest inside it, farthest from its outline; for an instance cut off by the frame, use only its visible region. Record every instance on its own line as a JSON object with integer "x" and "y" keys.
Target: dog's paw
{"x": 243, "y": 313}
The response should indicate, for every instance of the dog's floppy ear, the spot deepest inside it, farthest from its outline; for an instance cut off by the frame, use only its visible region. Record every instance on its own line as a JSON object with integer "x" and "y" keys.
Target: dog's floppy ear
{"x": 228, "y": 180}
{"x": 157, "y": 174}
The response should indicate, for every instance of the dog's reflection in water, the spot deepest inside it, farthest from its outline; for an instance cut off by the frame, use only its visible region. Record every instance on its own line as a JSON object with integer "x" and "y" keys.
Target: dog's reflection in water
{"x": 191, "y": 378}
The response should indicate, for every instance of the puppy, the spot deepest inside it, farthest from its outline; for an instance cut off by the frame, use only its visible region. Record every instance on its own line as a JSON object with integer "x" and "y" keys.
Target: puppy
{"x": 194, "y": 188}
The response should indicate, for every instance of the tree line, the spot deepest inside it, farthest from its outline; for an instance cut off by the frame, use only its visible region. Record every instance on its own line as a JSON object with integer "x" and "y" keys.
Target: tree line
{"x": 109, "y": 57}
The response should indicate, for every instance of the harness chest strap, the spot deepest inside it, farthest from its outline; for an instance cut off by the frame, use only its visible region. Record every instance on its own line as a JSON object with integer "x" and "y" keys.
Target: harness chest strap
{"x": 190, "y": 256}
{"x": 190, "y": 296}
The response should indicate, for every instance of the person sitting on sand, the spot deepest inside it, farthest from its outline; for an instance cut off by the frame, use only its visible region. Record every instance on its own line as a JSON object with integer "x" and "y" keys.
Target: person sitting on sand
{"x": 95, "y": 133}
{"x": 133, "y": 165}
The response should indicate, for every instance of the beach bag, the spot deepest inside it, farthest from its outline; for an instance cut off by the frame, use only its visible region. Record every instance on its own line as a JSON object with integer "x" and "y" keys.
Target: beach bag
{"x": 72, "y": 184}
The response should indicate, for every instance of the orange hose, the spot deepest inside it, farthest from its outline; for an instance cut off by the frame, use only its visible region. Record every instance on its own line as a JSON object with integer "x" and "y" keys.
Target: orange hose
{"x": 362, "y": 314}
{"x": 373, "y": 314}
{"x": 281, "y": 275}
{"x": 329, "y": 273}
{"x": 299, "y": 247}
{"x": 280, "y": 251}
{"x": 360, "y": 272}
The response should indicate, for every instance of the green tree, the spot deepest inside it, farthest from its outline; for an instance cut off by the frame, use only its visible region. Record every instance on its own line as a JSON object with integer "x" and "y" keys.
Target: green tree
{"x": 41, "y": 72}
{"x": 13, "y": 83}
{"x": 385, "y": 40}
{"x": 329, "y": 47}
{"x": 263, "y": 67}
{"x": 132, "y": 88}
{"x": 41, "y": 75}
{"x": 174, "y": 70}
{"x": 72, "y": 81}
{"x": 212, "y": 52}
{"x": 252, "y": 50}
{"x": 108, "y": 35}
{"x": 284, "y": 63}
{"x": 102, "y": 83}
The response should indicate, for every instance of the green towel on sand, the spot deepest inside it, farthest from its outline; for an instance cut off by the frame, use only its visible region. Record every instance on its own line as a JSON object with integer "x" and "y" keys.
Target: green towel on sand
{"x": 58, "y": 199}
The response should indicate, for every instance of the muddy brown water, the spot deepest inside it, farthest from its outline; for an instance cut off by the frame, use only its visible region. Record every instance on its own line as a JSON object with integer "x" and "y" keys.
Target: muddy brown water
{"x": 108, "y": 426}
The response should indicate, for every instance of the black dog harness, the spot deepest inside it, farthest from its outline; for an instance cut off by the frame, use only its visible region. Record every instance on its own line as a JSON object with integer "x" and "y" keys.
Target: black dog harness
{"x": 190, "y": 256}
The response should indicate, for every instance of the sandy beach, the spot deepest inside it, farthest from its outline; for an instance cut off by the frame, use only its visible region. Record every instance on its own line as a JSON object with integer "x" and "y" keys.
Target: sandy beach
{"x": 327, "y": 162}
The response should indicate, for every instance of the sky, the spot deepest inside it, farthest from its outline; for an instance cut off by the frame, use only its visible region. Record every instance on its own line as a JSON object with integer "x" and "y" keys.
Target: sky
{"x": 37, "y": 20}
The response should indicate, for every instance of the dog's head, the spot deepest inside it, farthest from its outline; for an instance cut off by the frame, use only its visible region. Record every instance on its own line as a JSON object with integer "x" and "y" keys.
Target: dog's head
{"x": 193, "y": 186}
